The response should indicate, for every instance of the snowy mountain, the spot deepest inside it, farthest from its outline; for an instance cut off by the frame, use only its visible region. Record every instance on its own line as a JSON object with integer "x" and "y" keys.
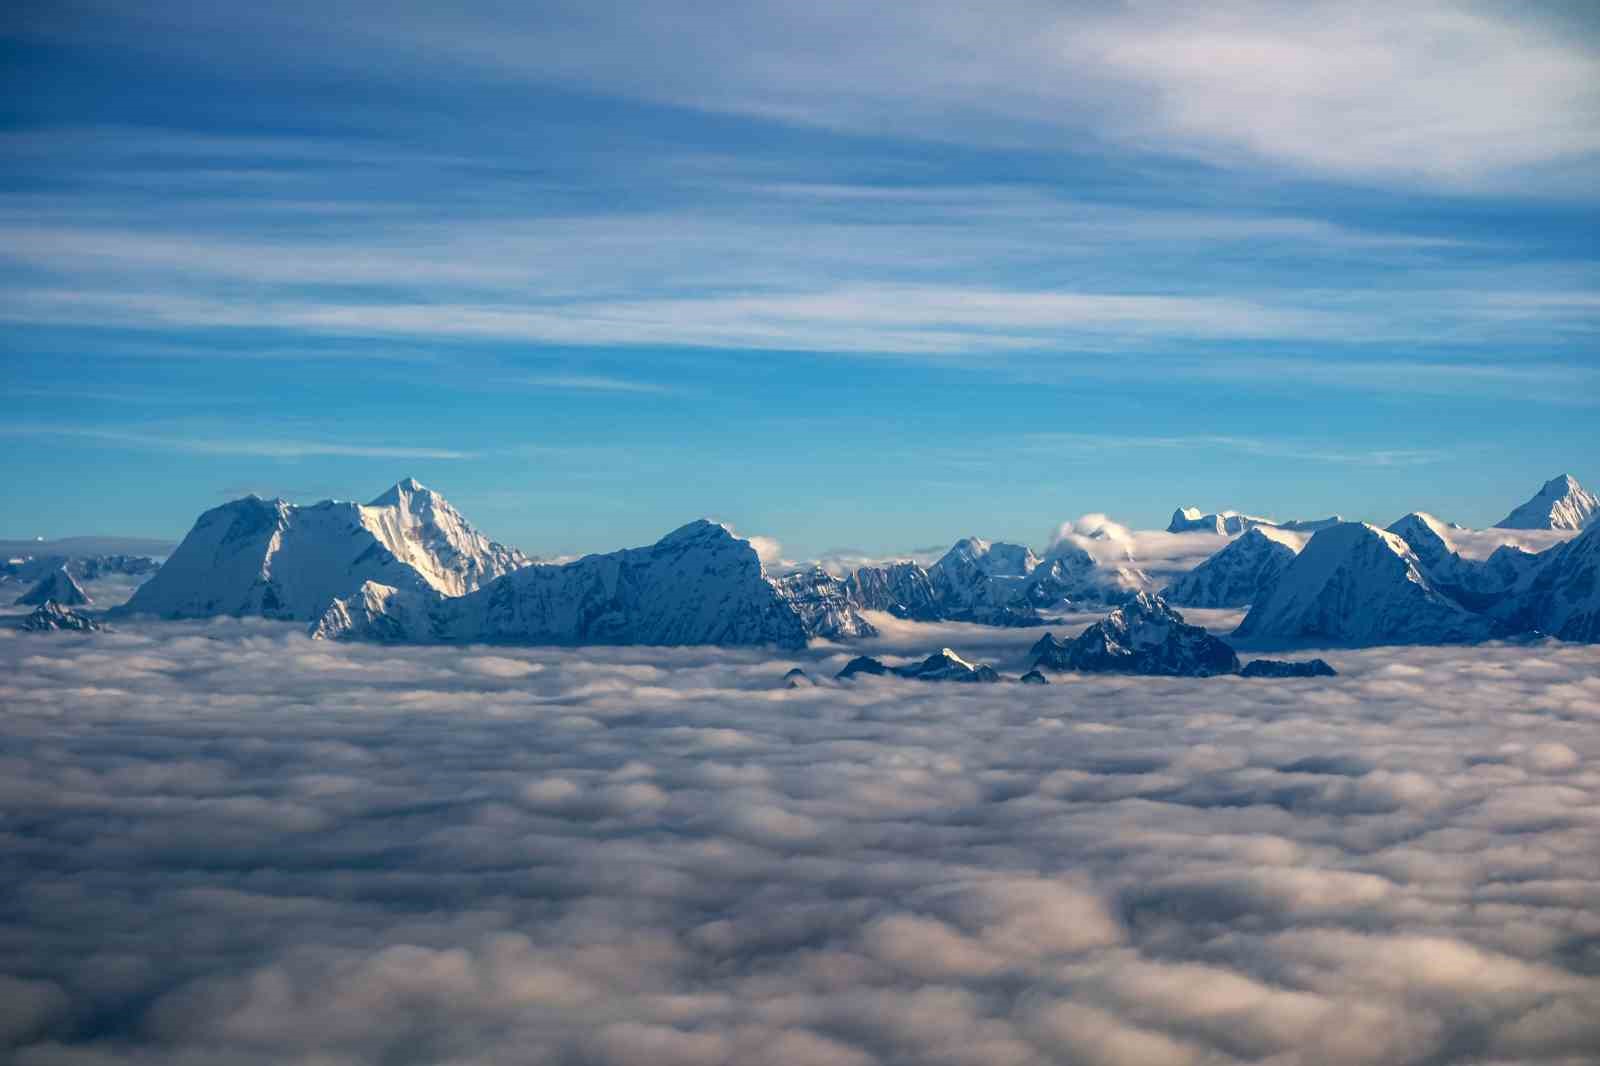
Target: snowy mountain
{"x": 823, "y": 603}
{"x": 1473, "y": 584}
{"x": 50, "y": 616}
{"x": 698, "y": 585}
{"x": 1143, "y": 636}
{"x": 278, "y": 560}
{"x": 1193, "y": 520}
{"x": 1561, "y": 503}
{"x": 1429, "y": 539}
{"x": 424, "y": 532}
{"x": 1560, "y": 594}
{"x": 1356, "y": 584}
{"x": 977, "y": 578}
{"x": 1239, "y": 574}
{"x": 57, "y": 586}
{"x": 902, "y": 589}
{"x": 991, "y": 583}
{"x": 1069, "y": 576}
{"x": 1506, "y": 568}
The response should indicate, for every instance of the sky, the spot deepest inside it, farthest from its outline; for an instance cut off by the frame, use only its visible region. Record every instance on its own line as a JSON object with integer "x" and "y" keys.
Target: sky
{"x": 855, "y": 277}
{"x": 230, "y": 845}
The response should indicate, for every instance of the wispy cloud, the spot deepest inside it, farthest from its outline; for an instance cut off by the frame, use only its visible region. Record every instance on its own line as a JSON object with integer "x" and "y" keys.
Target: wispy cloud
{"x": 901, "y": 319}
{"x": 590, "y": 383}
{"x": 1319, "y": 452}
{"x": 223, "y": 445}
{"x": 1431, "y": 92}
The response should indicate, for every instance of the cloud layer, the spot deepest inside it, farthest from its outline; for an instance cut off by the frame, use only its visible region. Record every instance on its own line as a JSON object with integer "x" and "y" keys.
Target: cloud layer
{"x": 224, "y": 843}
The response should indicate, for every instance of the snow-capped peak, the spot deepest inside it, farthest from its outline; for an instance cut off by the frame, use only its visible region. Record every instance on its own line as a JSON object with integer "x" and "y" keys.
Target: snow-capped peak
{"x": 995, "y": 558}
{"x": 699, "y": 529}
{"x": 1422, "y": 526}
{"x": 1560, "y": 503}
{"x": 1355, "y": 583}
{"x": 279, "y": 560}
{"x": 399, "y": 491}
{"x": 950, "y": 654}
{"x": 423, "y": 531}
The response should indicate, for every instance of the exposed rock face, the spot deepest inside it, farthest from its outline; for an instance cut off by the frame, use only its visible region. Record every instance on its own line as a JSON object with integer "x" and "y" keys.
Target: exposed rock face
{"x": 698, "y": 585}
{"x": 1034, "y": 677}
{"x": 1560, "y": 503}
{"x": 798, "y": 678}
{"x": 1237, "y": 575}
{"x": 992, "y": 583}
{"x": 1143, "y": 636}
{"x": 823, "y": 604}
{"x": 50, "y": 616}
{"x": 1051, "y": 651}
{"x": 57, "y": 586}
{"x": 902, "y": 589}
{"x": 1279, "y": 668}
{"x": 1356, "y": 584}
{"x": 862, "y": 664}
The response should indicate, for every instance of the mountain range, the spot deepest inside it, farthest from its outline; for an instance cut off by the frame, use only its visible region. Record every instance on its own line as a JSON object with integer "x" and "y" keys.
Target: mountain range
{"x": 408, "y": 567}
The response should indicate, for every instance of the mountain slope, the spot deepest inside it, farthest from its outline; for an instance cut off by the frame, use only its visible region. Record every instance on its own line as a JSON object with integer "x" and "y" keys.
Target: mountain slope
{"x": 1560, "y": 503}
{"x": 1237, "y": 575}
{"x": 56, "y": 586}
{"x": 1560, "y": 595}
{"x": 698, "y": 585}
{"x": 976, "y": 576}
{"x": 422, "y": 530}
{"x": 823, "y": 604}
{"x": 1357, "y": 584}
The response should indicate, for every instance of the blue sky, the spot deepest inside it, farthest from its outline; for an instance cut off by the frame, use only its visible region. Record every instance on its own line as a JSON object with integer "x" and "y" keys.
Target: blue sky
{"x": 850, "y": 276}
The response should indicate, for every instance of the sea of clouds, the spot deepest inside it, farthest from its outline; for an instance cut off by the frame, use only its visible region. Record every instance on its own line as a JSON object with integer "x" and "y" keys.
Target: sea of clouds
{"x": 222, "y": 842}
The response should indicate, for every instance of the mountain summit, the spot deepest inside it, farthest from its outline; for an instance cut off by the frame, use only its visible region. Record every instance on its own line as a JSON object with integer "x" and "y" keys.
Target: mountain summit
{"x": 57, "y": 586}
{"x": 278, "y": 560}
{"x": 1561, "y": 503}
{"x": 423, "y": 531}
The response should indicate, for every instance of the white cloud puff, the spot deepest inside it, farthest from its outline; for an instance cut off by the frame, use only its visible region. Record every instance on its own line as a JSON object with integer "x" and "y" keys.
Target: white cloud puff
{"x": 225, "y": 844}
